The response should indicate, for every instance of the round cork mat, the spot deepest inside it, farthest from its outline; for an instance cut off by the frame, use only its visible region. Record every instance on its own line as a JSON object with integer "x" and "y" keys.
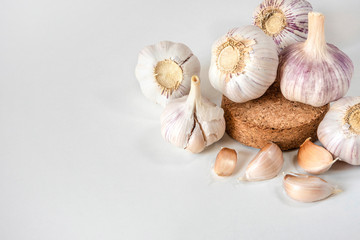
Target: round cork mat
{"x": 272, "y": 118}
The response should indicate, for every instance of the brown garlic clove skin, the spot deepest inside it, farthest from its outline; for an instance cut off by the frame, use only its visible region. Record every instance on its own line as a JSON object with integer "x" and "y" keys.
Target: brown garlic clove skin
{"x": 305, "y": 188}
{"x": 225, "y": 162}
{"x": 314, "y": 159}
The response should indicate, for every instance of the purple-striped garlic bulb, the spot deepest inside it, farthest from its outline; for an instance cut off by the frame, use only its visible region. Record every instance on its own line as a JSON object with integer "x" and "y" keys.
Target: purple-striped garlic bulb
{"x": 192, "y": 122}
{"x": 339, "y": 131}
{"x": 286, "y": 21}
{"x": 314, "y": 72}
{"x": 243, "y": 63}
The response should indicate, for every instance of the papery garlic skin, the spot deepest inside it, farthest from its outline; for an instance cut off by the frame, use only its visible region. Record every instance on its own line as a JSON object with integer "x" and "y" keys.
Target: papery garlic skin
{"x": 243, "y": 63}
{"x": 286, "y": 21}
{"x": 339, "y": 131}
{"x": 305, "y": 188}
{"x": 225, "y": 162}
{"x": 164, "y": 71}
{"x": 192, "y": 122}
{"x": 314, "y": 72}
{"x": 314, "y": 159}
{"x": 266, "y": 164}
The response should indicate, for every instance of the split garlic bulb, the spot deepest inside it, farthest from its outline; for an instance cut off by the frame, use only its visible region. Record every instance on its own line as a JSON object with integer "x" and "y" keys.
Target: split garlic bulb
{"x": 314, "y": 72}
{"x": 164, "y": 71}
{"x": 339, "y": 131}
{"x": 286, "y": 21}
{"x": 192, "y": 122}
{"x": 243, "y": 63}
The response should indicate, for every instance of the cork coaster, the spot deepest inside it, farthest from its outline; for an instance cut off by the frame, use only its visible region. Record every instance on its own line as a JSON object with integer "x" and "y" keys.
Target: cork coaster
{"x": 272, "y": 118}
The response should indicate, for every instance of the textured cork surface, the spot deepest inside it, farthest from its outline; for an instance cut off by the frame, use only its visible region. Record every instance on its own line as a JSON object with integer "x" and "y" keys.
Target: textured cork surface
{"x": 272, "y": 118}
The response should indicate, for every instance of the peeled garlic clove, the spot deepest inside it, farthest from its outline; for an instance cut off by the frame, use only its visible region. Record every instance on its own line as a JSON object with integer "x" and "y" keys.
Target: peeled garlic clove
{"x": 313, "y": 158}
{"x": 164, "y": 71}
{"x": 339, "y": 131}
{"x": 285, "y": 21}
{"x": 266, "y": 164}
{"x": 225, "y": 162}
{"x": 192, "y": 122}
{"x": 243, "y": 63}
{"x": 322, "y": 71}
{"x": 305, "y": 188}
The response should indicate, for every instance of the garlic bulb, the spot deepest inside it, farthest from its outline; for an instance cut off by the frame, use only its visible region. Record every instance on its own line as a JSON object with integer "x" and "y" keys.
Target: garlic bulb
{"x": 192, "y": 122}
{"x": 225, "y": 162}
{"x": 266, "y": 164}
{"x": 164, "y": 71}
{"x": 286, "y": 21}
{"x": 305, "y": 188}
{"x": 322, "y": 71}
{"x": 339, "y": 131}
{"x": 313, "y": 158}
{"x": 243, "y": 63}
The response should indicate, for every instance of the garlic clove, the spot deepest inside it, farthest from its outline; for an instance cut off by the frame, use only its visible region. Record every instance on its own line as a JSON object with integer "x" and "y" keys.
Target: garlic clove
{"x": 305, "y": 188}
{"x": 285, "y": 21}
{"x": 243, "y": 63}
{"x": 192, "y": 122}
{"x": 225, "y": 162}
{"x": 266, "y": 164}
{"x": 196, "y": 142}
{"x": 313, "y": 158}
{"x": 164, "y": 71}
{"x": 339, "y": 131}
{"x": 323, "y": 72}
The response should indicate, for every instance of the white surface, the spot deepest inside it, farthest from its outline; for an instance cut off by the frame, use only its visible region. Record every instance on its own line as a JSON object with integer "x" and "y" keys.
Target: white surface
{"x": 81, "y": 153}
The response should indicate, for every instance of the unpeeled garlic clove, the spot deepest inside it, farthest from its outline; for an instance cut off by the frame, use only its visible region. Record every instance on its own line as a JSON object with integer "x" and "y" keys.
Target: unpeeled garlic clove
{"x": 192, "y": 122}
{"x": 266, "y": 164}
{"x": 225, "y": 162}
{"x": 313, "y": 158}
{"x": 305, "y": 188}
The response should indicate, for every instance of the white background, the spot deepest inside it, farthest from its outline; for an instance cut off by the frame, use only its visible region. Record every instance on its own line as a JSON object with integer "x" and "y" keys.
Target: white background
{"x": 81, "y": 155}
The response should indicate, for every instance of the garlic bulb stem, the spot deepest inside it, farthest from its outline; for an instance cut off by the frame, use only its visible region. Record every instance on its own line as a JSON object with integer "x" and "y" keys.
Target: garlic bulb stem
{"x": 315, "y": 43}
{"x": 194, "y": 97}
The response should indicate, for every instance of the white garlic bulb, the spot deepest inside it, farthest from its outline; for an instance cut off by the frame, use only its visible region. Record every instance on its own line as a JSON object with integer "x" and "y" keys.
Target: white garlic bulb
{"x": 305, "y": 188}
{"x": 339, "y": 131}
{"x": 266, "y": 164}
{"x": 243, "y": 63}
{"x": 164, "y": 71}
{"x": 314, "y": 159}
{"x": 192, "y": 122}
{"x": 322, "y": 71}
{"x": 286, "y": 21}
